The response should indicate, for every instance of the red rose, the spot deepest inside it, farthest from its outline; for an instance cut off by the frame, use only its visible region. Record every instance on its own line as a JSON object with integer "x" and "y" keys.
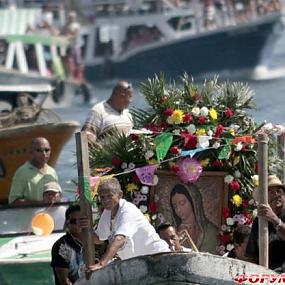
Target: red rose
{"x": 229, "y": 113}
{"x": 202, "y": 120}
{"x": 219, "y": 131}
{"x": 224, "y": 239}
{"x": 248, "y": 218}
{"x": 175, "y": 150}
{"x": 134, "y": 137}
{"x": 152, "y": 207}
{"x": 175, "y": 168}
{"x": 217, "y": 163}
{"x": 234, "y": 185}
{"x": 168, "y": 112}
{"x": 226, "y": 212}
{"x": 116, "y": 161}
{"x": 135, "y": 179}
{"x": 190, "y": 141}
{"x": 187, "y": 118}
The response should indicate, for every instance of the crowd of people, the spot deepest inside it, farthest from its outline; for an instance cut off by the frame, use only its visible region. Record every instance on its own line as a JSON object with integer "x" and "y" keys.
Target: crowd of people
{"x": 122, "y": 225}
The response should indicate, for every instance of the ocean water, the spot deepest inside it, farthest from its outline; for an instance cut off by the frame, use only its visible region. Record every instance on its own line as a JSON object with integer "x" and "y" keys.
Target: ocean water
{"x": 269, "y": 87}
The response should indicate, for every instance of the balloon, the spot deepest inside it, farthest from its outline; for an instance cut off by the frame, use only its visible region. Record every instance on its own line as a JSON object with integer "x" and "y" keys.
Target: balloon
{"x": 42, "y": 224}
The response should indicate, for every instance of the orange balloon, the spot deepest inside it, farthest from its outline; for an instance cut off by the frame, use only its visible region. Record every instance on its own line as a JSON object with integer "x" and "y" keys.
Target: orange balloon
{"x": 42, "y": 224}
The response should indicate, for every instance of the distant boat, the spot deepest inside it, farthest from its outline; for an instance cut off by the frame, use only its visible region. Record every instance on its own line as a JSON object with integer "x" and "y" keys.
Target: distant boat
{"x": 21, "y": 119}
{"x": 36, "y": 58}
{"x": 176, "y": 268}
{"x": 128, "y": 42}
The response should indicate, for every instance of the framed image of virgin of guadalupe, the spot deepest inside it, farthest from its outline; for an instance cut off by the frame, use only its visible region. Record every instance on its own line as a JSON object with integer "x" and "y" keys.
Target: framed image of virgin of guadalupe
{"x": 196, "y": 208}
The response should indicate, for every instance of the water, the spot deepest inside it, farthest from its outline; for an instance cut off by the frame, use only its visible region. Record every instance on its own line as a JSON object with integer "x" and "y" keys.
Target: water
{"x": 269, "y": 99}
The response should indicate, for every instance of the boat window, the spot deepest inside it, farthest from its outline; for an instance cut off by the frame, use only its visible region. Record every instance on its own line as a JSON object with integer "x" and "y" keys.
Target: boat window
{"x": 2, "y": 169}
{"x": 3, "y": 51}
{"x": 31, "y": 58}
{"x": 104, "y": 41}
{"x": 139, "y": 35}
{"x": 181, "y": 23}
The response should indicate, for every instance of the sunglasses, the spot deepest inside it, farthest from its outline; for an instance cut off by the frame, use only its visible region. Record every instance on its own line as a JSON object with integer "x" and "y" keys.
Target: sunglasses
{"x": 74, "y": 221}
{"x": 42, "y": 149}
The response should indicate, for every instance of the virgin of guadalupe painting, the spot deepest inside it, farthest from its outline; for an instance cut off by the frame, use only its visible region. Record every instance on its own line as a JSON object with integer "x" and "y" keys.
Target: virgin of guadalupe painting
{"x": 190, "y": 209}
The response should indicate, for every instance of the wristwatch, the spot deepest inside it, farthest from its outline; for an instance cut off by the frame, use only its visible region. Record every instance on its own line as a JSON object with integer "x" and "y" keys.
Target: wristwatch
{"x": 278, "y": 226}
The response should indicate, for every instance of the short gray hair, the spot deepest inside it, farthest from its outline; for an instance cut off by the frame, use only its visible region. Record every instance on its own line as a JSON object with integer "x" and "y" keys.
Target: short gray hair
{"x": 111, "y": 184}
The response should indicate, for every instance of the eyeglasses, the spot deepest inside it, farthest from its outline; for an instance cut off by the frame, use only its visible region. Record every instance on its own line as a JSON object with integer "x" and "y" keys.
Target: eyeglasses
{"x": 42, "y": 149}
{"x": 74, "y": 221}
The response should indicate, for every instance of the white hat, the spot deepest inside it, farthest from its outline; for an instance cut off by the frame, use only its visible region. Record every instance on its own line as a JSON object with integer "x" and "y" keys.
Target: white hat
{"x": 52, "y": 186}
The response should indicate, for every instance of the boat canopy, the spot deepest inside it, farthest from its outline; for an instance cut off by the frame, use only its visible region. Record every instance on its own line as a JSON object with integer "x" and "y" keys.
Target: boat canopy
{"x": 30, "y": 88}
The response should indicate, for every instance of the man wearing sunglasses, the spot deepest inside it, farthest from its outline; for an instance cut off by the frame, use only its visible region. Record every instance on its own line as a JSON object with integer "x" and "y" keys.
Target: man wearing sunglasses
{"x": 67, "y": 253}
{"x": 111, "y": 115}
{"x": 29, "y": 179}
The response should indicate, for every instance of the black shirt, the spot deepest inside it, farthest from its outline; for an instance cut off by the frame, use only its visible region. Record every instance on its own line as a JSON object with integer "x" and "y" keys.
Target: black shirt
{"x": 67, "y": 253}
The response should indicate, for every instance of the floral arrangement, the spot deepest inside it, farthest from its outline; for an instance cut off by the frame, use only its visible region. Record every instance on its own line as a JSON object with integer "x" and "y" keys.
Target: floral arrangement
{"x": 188, "y": 128}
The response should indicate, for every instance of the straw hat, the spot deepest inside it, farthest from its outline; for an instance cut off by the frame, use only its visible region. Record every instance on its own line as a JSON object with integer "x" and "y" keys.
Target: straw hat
{"x": 52, "y": 186}
{"x": 273, "y": 180}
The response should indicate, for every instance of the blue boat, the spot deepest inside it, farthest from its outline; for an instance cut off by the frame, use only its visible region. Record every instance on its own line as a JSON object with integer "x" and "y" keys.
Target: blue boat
{"x": 140, "y": 41}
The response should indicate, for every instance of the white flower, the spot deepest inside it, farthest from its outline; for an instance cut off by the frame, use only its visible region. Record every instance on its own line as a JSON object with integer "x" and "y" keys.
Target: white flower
{"x": 196, "y": 111}
{"x": 228, "y": 179}
{"x": 169, "y": 121}
{"x": 176, "y": 132}
{"x": 143, "y": 208}
{"x": 145, "y": 190}
{"x": 204, "y": 111}
{"x": 131, "y": 166}
{"x": 254, "y": 213}
{"x": 230, "y": 221}
{"x": 124, "y": 165}
{"x": 237, "y": 174}
{"x": 154, "y": 217}
{"x": 224, "y": 227}
{"x": 148, "y": 154}
{"x": 230, "y": 246}
{"x": 236, "y": 218}
{"x": 191, "y": 129}
{"x": 203, "y": 141}
{"x": 155, "y": 179}
{"x": 216, "y": 145}
{"x": 255, "y": 180}
{"x": 210, "y": 133}
{"x": 251, "y": 202}
{"x": 238, "y": 147}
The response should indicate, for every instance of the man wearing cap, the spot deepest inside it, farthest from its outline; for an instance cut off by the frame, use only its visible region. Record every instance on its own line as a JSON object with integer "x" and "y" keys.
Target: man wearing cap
{"x": 52, "y": 193}
{"x": 111, "y": 115}
{"x": 29, "y": 179}
{"x": 274, "y": 213}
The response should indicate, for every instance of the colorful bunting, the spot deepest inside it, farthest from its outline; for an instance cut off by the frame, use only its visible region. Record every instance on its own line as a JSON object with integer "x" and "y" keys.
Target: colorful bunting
{"x": 146, "y": 174}
{"x": 191, "y": 152}
{"x": 163, "y": 143}
{"x": 225, "y": 152}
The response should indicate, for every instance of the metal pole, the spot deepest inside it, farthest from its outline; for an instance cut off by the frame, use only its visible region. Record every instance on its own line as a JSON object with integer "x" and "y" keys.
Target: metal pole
{"x": 84, "y": 186}
{"x": 263, "y": 198}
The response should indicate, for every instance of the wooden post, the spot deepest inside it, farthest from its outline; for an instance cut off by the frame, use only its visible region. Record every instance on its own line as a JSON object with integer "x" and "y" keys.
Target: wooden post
{"x": 83, "y": 184}
{"x": 281, "y": 153}
{"x": 263, "y": 198}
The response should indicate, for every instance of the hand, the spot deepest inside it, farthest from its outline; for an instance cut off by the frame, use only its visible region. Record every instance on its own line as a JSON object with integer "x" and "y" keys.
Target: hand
{"x": 95, "y": 267}
{"x": 266, "y": 212}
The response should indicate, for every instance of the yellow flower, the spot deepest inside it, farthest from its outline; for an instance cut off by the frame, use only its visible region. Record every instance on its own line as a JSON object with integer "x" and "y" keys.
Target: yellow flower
{"x": 205, "y": 162}
{"x": 213, "y": 114}
{"x": 152, "y": 161}
{"x": 200, "y": 132}
{"x": 237, "y": 200}
{"x": 177, "y": 116}
{"x": 132, "y": 187}
{"x": 232, "y": 132}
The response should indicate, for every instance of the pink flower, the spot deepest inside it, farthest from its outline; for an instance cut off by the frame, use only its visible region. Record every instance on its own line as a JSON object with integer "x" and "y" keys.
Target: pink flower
{"x": 229, "y": 113}
{"x": 168, "y": 112}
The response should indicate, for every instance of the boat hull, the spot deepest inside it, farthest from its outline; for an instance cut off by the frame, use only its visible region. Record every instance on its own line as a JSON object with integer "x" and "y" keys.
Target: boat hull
{"x": 174, "y": 268}
{"x": 16, "y": 142}
{"x": 234, "y": 48}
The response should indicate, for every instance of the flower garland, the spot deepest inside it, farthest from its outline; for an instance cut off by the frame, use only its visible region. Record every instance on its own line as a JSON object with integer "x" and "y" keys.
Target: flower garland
{"x": 188, "y": 129}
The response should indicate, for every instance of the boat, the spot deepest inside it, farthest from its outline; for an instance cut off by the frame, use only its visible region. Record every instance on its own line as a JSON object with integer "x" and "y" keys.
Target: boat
{"x": 36, "y": 58}
{"x": 137, "y": 41}
{"x": 25, "y": 257}
{"x": 178, "y": 268}
{"x": 22, "y": 118}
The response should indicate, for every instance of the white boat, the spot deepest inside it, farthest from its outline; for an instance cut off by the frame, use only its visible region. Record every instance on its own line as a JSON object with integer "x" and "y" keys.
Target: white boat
{"x": 35, "y": 58}
{"x": 135, "y": 39}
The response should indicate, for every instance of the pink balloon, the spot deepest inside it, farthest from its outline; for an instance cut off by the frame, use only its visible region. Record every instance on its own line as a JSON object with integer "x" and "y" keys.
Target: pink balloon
{"x": 189, "y": 169}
